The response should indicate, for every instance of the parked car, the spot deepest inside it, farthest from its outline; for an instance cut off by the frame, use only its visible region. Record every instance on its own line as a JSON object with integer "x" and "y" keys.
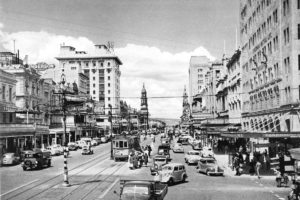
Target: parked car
{"x": 158, "y": 162}
{"x": 54, "y": 151}
{"x": 10, "y": 159}
{"x": 36, "y": 159}
{"x": 207, "y": 152}
{"x": 183, "y": 140}
{"x": 192, "y": 157}
{"x": 209, "y": 166}
{"x": 87, "y": 149}
{"x": 142, "y": 190}
{"x": 173, "y": 172}
{"x": 178, "y": 148}
{"x": 98, "y": 140}
{"x": 72, "y": 146}
{"x": 59, "y": 147}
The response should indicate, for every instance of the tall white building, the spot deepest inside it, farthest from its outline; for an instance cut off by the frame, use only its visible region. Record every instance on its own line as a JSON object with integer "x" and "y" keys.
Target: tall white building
{"x": 102, "y": 69}
{"x": 199, "y": 65}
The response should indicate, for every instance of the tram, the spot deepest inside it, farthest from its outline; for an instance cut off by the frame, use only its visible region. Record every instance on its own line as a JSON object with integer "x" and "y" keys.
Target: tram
{"x": 123, "y": 145}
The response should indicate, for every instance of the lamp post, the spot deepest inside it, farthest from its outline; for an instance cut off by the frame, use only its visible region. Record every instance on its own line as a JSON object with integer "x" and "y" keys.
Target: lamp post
{"x": 111, "y": 126}
{"x": 64, "y": 107}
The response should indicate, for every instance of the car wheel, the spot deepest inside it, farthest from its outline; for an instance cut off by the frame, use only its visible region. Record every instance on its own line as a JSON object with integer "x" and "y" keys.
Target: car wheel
{"x": 207, "y": 172}
{"x": 171, "y": 181}
{"x": 49, "y": 163}
{"x": 24, "y": 168}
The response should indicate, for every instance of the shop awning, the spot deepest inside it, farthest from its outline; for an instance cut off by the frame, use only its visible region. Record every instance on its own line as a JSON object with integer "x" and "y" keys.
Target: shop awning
{"x": 244, "y": 134}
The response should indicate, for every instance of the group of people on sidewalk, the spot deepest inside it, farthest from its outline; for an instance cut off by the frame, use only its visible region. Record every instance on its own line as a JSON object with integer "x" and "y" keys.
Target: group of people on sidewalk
{"x": 138, "y": 159}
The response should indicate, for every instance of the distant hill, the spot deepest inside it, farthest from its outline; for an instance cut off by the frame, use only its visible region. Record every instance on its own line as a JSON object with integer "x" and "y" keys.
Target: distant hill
{"x": 168, "y": 121}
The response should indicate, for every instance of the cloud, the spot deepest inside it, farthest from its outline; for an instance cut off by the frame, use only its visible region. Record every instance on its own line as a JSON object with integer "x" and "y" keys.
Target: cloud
{"x": 163, "y": 73}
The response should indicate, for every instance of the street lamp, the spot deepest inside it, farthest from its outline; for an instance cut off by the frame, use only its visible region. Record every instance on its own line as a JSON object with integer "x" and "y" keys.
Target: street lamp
{"x": 64, "y": 107}
{"x": 111, "y": 126}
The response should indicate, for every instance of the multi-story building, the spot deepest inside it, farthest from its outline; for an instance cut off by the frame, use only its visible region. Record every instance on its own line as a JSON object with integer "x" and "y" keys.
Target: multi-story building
{"x": 198, "y": 67}
{"x": 270, "y": 61}
{"x": 7, "y": 108}
{"x": 29, "y": 127}
{"x": 101, "y": 67}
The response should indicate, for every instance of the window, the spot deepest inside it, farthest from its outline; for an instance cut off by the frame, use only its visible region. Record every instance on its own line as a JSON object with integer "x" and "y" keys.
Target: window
{"x": 10, "y": 94}
{"x": 10, "y": 117}
{"x": 286, "y": 35}
{"x": 94, "y": 92}
{"x": 94, "y": 64}
{"x": 3, "y": 92}
{"x": 176, "y": 168}
{"x": 108, "y": 78}
{"x": 73, "y": 68}
{"x": 108, "y": 98}
{"x": 299, "y": 62}
{"x": 298, "y": 31}
{"x": 298, "y": 4}
{"x": 108, "y": 91}
{"x": 94, "y": 78}
{"x": 108, "y": 84}
{"x": 108, "y": 64}
{"x": 87, "y": 64}
{"x": 101, "y": 64}
{"x": 94, "y": 85}
{"x": 275, "y": 17}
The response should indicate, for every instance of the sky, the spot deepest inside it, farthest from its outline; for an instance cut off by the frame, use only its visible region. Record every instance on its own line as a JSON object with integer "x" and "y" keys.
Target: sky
{"x": 154, "y": 39}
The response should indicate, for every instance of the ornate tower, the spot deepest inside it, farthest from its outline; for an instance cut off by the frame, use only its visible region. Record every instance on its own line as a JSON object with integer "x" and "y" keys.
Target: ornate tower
{"x": 185, "y": 107}
{"x": 144, "y": 108}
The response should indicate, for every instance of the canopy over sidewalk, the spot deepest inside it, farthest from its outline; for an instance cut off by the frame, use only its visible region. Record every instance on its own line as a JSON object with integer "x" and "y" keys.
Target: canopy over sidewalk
{"x": 295, "y": 153}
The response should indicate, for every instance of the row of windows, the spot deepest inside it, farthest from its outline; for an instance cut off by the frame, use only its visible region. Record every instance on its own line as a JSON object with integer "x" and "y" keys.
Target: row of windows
{"x": 10, "y": 117}
{"x": 87, "y": 63}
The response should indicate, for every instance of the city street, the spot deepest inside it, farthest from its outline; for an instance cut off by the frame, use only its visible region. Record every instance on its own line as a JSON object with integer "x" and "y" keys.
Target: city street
{"x": 96, "y": 177}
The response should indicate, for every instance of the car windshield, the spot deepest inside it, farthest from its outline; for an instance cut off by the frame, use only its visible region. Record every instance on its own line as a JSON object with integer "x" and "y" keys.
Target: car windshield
{"x": 210, "y": 162}
{"x": 194, "y": 153}
{"x": 31, "y": 156}
{"x": 160, "y": 160}
{"x": 167, "y": 168}
{"x": 134, "y": 189}
{"x": 8, "y": 155}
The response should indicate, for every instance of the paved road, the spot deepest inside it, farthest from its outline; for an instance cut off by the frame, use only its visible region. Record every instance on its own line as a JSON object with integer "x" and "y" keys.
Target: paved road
{"x": 96, "y": 177}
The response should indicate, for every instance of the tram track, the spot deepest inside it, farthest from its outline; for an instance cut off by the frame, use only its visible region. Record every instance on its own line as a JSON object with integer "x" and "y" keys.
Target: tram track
{"x": 30, "y": 187}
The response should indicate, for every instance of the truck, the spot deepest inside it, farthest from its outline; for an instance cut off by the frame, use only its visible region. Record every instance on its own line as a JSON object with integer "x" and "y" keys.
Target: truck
{"x": 36, "y": 159}
{"x": 142, "y": 190}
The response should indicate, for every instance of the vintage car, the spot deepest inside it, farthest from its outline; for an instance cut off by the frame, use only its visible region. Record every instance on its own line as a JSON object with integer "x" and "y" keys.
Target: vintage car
{"x": 172, "y": 173}
{"x": 55, "y": 151}
{"x": 209, "y": 166}
{"x": 207, "y": 152}
{"x": 178, "y": 148}
{"x": 59, "y": 147}
{"x": 197, "y": 146}
{"x": 142, "y": 190}
{"x": 10, "y": 159}
{"x": 158, "y": 162}
{"x": 192, "y": 157}
{"x": 86, "y": 149}
{"x": 164, "y": 149}
{"x": 72, "y": 146}
{"x": 36, "y": 159}
{"x": 183, "y": 141}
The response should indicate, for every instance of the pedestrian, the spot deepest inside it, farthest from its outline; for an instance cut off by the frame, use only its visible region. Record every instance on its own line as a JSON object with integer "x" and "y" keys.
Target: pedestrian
{"x": 258, "y": 166}
{"x": 146, "y": 158}
{"x": 149, "y": 150}
{"x": 252, "y": 167}
{"x": 236, "y": 164}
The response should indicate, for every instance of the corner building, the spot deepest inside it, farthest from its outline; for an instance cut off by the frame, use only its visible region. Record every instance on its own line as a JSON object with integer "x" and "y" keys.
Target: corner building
{"x": 101, "y": 67}
{"x": 270, "y": 60}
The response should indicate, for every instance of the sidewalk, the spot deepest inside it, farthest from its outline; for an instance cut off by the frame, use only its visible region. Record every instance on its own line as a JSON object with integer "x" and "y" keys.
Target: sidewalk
{"x": 223, "y": 160}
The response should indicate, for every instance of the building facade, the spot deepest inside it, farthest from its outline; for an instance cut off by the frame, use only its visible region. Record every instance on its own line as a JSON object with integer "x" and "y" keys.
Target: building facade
{"x": 102, "y": 69}
{"x": 144, "y": 113}
{"x": 270, "y": 61}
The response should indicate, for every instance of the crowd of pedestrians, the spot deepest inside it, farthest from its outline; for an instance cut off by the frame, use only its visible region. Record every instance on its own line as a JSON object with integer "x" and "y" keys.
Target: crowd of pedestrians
{"x": 139, "y": 159}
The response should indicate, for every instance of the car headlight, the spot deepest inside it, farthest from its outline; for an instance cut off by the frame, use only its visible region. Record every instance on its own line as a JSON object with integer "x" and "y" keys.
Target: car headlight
{"x": 36, "y": 162}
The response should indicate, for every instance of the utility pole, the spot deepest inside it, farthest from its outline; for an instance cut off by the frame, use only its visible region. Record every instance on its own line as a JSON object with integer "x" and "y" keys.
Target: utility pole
{"x": 111, "y": 126}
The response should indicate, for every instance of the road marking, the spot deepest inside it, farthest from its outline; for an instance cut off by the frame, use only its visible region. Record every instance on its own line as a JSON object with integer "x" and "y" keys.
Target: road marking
{"x": 276, "y": 195}
{"x": 18, "y": 187}
{"x": 108, "y": 189}
{"x": 281, "y": 198}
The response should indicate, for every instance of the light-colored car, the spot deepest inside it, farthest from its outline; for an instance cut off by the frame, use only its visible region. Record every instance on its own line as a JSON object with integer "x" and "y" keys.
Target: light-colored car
{"x": 72, "y": 146}
{"x": 178, "y": 148}
{"x": 94, "y": 143}
{"x": 192, "y": 157}
{"x": 81, "y": 143}
{"x": 209, "y": 166}
{"x": 10, "y": 159}
{"x": 54, "y": 151}
{"x": 158, "y": 162}
{"x": 207, "y": 152}
{"x": 86, "y": 149}
{"x": 172, "y": 173}
{"x": 104, "y": 139}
